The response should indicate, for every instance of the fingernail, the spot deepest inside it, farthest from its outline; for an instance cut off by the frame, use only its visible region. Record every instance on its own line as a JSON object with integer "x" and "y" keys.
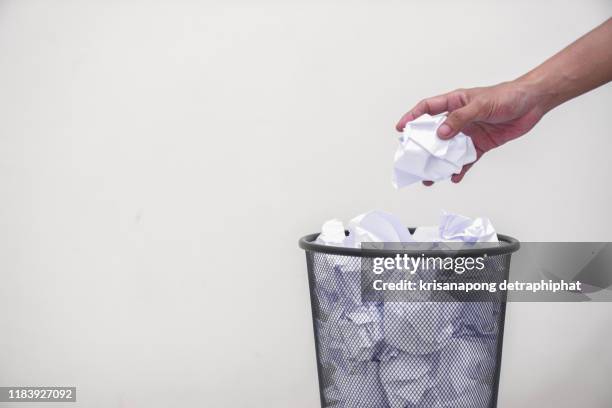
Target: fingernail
{"x": 444, "y": 130}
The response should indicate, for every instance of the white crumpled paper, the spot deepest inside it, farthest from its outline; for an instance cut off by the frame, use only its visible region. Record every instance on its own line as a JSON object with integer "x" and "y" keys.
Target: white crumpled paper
{"x": 419, "y": 327}
{"x": 335, "y": 279}
{"x": 423, "y": 156}
{"x": 377, "y": 226}
{"x": 405, "y": 379}
{"x": 467, "y": 365}
{"x": 357, "y": 389}
{"x": 454, "y": 227}
{"x": 372, "y": 226}
{"x": 352, "y": 335}
{"x": 332, "y": 233}
{"x": 457, "y": 228}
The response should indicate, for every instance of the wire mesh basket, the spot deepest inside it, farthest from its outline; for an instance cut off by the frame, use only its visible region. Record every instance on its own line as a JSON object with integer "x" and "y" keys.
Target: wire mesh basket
{"x": 404, "y": 354}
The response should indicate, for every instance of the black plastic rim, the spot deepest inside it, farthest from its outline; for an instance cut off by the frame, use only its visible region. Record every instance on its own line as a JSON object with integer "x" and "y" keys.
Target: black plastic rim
{"x": 506, "y": 245}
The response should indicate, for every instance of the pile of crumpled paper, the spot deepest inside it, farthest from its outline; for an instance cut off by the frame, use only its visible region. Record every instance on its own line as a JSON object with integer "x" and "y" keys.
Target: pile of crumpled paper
{"x": 401, "y": 354}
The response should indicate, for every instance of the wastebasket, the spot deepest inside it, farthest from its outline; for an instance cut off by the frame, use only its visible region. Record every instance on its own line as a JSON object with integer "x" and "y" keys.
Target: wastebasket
{"x": 387, "y": 354}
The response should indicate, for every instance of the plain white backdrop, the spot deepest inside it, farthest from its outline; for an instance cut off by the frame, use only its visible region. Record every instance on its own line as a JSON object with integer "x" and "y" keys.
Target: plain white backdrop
{"x": 159, "y": 161}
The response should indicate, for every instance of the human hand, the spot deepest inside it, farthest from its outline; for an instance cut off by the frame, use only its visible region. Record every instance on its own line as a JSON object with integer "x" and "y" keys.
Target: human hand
{"x": 491, "y": 115}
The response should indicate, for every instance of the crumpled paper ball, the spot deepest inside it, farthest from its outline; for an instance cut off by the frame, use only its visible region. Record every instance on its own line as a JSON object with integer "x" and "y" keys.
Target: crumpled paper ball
{"x": 351, "y": 335}
{"x": 454, "y": 227}
{"x": 457, "y": 228}
{"x": 406, "y": 378}
{"x": 357, "y": 389}
{"x": 465, "y": 375}
{"x": 419, "y": 327}
{"x": 377, "y": 226}
{"x": 422, "y": 155}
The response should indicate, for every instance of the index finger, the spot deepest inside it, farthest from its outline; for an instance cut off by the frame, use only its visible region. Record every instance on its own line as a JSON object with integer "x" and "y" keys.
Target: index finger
{"x": 432, "y": 106}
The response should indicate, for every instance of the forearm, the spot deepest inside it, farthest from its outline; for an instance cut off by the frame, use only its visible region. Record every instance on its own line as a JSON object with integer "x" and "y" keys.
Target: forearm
{"x": 582, "y": 66}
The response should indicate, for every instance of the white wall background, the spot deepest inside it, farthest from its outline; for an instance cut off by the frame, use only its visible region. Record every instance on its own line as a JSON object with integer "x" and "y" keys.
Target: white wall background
{"x": 159, "y": 160}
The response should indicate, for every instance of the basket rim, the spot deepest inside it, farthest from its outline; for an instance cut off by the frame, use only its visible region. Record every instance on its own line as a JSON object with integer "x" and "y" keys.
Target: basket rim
{"x": 506, "y": 245}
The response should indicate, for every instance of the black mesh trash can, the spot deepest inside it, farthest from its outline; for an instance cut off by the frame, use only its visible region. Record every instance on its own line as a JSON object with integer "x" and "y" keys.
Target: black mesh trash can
{"x": 404, "y": 354}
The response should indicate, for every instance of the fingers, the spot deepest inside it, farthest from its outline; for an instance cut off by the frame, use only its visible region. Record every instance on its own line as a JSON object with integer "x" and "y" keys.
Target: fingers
{"x": 431, "y": 106}
{"x": 458, "y": 119}
{"x": 456, "y": 178}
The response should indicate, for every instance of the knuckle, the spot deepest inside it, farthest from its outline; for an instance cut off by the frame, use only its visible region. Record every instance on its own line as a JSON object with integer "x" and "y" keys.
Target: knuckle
{"x": 457, "y": 117}
{"x": 483, "y": 106}
{"x": 423, "y": 104}
{"x": 462, "y": 94}
{"x": 480, "y": 102}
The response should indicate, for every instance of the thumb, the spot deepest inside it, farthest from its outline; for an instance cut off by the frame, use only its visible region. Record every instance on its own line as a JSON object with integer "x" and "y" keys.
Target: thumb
{"x": 457, "y": 120}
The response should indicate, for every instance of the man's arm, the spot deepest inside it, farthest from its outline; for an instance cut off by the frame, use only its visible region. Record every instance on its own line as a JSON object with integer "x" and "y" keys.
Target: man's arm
{"x": 582, "y": 66}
